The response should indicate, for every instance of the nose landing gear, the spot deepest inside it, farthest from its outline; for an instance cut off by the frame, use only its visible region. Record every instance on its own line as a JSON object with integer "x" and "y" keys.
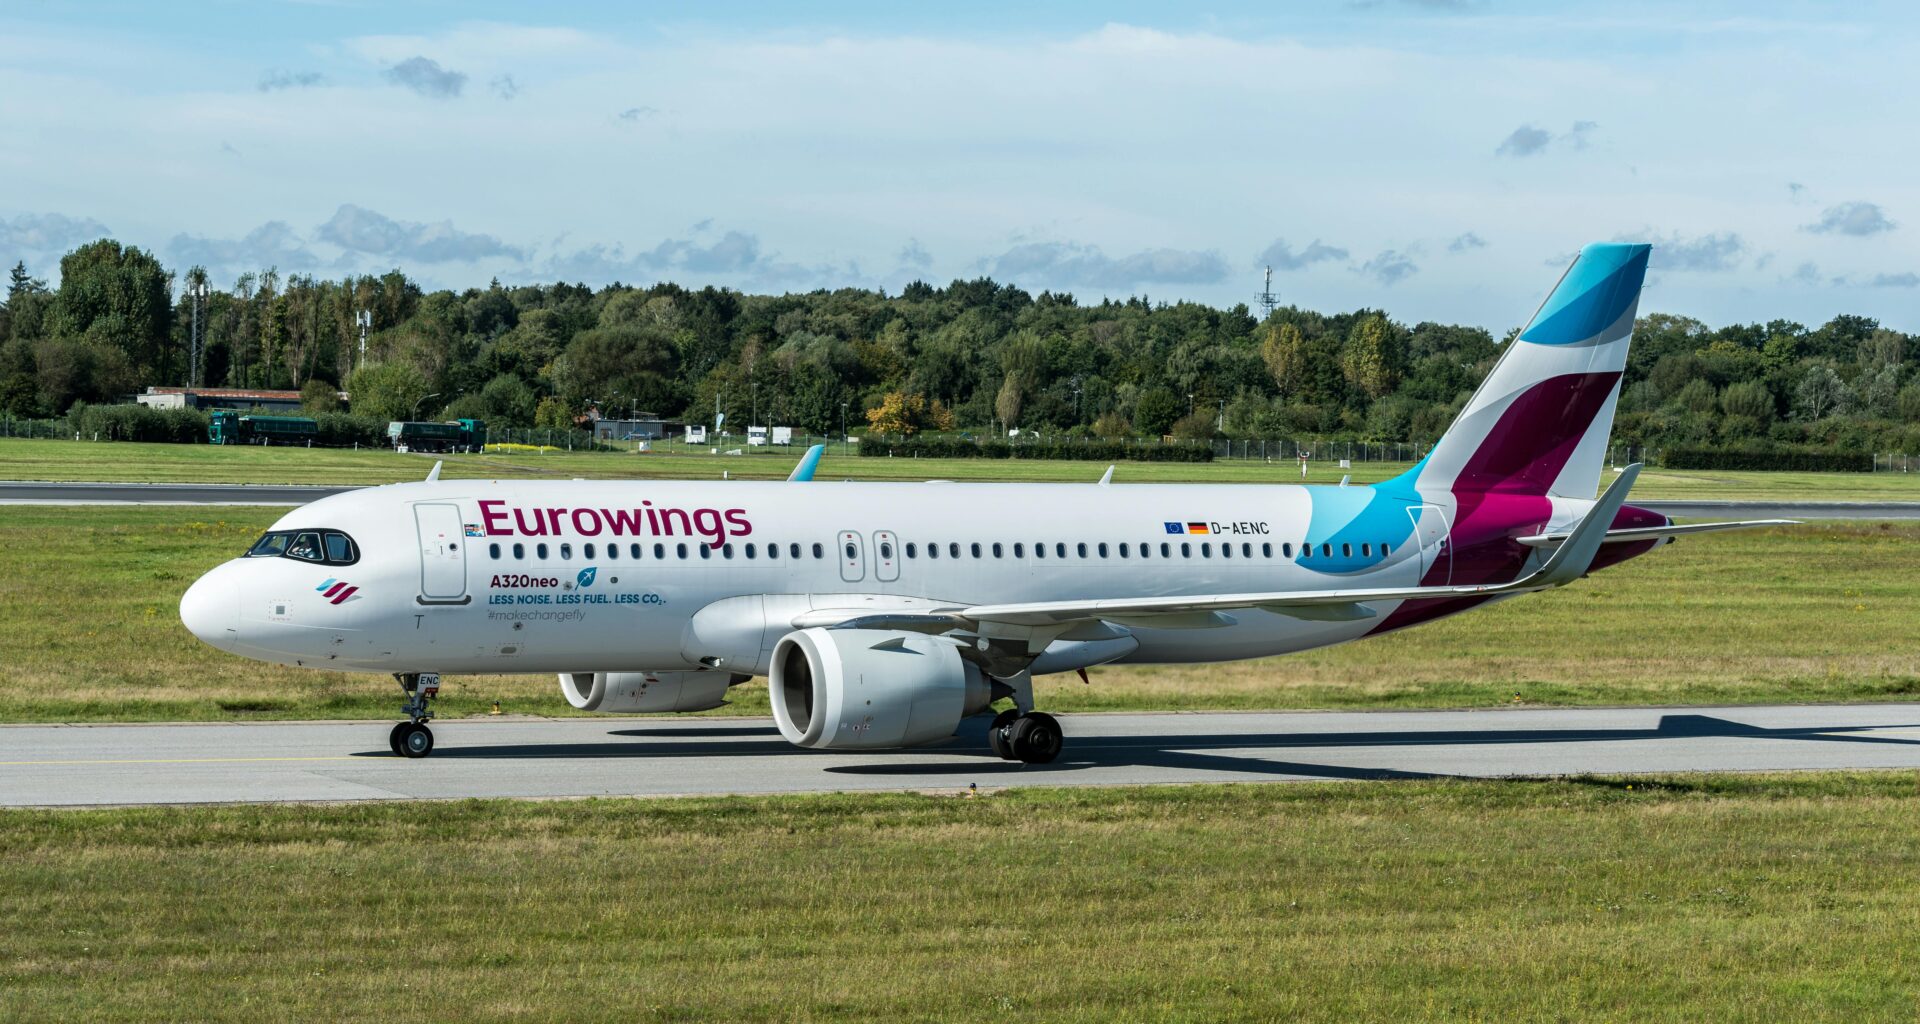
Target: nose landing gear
{"x": 412, "y": 738}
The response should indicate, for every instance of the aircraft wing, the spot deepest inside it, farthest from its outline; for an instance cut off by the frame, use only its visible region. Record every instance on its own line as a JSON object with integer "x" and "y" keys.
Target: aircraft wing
{"x": 1540, "y": 540}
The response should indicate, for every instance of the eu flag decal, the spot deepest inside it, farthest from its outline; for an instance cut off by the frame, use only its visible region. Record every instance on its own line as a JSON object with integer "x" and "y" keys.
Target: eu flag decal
{"x": 1174, "y": 528}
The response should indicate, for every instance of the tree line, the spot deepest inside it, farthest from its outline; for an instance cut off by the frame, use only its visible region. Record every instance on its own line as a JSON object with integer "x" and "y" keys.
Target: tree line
{"x": 972, "y": 356}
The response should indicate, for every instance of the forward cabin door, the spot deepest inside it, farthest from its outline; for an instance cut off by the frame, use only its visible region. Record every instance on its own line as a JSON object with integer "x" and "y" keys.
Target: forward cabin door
{"x": 852, "y": 552}
{"x": 443, "y": 554}
{"x": 886, "y": 556}
{"x": 1436, "y": 555}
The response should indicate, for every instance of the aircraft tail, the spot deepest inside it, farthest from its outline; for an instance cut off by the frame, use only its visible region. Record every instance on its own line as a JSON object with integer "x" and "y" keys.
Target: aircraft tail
{"x": 1539, "y": 423}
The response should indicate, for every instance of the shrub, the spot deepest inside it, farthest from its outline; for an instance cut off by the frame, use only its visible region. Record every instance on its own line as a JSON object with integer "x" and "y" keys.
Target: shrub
{"x": 1802, "y": 460}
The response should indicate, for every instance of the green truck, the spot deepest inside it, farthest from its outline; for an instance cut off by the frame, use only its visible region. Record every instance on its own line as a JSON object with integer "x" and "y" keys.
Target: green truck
{"x": 234, "y": 428}
{"x": 455, "y": 436}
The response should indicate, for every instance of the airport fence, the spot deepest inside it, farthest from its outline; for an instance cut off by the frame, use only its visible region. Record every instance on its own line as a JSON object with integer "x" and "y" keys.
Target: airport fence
{"x": 1892, "y": 462}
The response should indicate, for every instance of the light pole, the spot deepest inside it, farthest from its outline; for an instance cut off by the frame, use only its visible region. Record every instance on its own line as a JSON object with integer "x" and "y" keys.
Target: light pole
{"x": 421, "y": 402}
{"x": 843, "y": 428}
{"x": 198, "y": 290}
{"x": 756, "y": 406}
{"x": 365, "y": 319}
{"x": 1189, "y": 403}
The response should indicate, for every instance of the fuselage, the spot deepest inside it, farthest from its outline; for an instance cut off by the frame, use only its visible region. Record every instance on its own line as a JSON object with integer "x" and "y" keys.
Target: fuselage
{"x": 585, "y": 576}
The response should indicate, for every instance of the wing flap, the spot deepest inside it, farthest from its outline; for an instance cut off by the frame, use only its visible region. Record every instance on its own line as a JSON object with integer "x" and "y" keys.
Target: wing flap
{"x": 1640, "y": 533}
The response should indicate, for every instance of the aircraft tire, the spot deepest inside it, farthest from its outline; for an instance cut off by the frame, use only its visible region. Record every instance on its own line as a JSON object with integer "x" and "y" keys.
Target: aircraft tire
{"x": 997, "y": 733}
{"x": 417, "y": 741}
{"x": 393, "y": 738}
{"x": 1035, "y": 738}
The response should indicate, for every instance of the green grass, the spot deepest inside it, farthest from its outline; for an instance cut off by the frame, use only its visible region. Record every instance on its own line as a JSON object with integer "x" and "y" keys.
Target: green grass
{"x": 173, "y": 463}
{"x": 1755, "y": 898}
{"x": 1821, "y": 612}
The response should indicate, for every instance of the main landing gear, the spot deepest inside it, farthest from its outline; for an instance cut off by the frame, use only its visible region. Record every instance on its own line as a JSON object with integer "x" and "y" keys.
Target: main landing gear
{"x": 412, "y": 738}
{"x": 1021, "y": 733}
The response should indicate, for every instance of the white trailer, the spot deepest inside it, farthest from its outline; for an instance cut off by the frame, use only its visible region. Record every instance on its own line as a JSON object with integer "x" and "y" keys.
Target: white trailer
{"x": 783, "y": 435}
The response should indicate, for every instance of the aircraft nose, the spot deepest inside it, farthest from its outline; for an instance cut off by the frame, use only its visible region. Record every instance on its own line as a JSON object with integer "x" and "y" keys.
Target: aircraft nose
{"x": 210, "y": 609}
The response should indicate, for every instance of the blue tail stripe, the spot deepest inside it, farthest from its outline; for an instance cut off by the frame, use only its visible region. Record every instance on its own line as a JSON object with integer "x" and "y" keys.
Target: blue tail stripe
{"x": 1602, "y": 284}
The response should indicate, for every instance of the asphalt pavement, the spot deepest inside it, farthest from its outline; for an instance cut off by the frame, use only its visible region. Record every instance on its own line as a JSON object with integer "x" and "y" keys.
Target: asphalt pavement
{"x": 69, "y": 765}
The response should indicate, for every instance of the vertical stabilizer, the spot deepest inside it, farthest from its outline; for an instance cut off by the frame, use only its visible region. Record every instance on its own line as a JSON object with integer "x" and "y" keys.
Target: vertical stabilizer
{"x": 1539, "y": 422}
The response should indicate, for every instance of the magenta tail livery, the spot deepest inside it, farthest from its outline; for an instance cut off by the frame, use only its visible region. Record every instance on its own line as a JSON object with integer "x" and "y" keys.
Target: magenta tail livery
{"x": 884, "y": 613}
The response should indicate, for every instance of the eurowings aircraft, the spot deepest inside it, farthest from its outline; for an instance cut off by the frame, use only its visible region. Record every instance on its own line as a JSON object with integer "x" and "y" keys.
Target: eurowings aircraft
{"x": 885, "y": 613}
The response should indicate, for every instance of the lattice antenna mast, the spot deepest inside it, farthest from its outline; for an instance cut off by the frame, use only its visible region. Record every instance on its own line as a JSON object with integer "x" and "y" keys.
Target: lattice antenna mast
{"x": 1268, "y": 300}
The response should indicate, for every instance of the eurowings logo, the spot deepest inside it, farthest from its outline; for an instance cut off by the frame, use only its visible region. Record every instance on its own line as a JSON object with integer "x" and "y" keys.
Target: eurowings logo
{"x": 336, "y": 591}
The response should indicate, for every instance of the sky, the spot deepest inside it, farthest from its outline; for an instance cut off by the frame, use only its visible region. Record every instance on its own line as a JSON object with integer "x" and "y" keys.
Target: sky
{"x": 1439, "y": 159}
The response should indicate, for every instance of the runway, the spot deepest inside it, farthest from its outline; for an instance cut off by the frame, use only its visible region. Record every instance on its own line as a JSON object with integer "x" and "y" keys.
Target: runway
{"x": 71, "y": 765}
{"x": 85, "y": 493}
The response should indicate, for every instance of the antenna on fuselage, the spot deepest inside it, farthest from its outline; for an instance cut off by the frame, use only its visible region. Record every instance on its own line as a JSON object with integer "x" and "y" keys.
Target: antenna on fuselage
{"x": 434, "y": 473}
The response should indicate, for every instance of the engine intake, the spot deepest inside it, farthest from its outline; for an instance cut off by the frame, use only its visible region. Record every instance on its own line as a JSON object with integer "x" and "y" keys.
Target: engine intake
{"x": 627, "y": 693}
{"x": 858, "y": 689}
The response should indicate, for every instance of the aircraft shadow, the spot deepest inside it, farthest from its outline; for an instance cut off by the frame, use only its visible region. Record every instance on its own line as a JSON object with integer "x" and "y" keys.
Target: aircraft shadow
{"x": 967, "y": 751}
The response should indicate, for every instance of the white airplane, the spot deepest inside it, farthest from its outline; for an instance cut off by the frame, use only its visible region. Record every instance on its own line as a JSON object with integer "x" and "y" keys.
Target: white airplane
{"x": 884, "y": 613}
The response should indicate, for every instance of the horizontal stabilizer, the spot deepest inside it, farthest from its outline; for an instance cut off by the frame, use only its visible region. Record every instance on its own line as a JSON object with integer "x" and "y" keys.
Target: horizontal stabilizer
{"x": 1640, "y": 533}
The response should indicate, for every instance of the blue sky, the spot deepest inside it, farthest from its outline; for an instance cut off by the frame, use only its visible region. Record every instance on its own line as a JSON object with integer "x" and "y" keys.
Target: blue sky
{"x": 1437, "y": 159}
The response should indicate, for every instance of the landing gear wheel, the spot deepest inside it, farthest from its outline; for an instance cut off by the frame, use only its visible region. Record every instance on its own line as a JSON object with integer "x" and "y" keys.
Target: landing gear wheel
{"x": 393, "y": 738}
{"x": 1035, "y": 738}
{"x": 415, "y": 740}
{"x": 997, "y": 733}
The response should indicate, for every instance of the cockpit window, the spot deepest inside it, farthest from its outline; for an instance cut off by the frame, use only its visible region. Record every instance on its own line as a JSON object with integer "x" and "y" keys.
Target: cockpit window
{"x": 326, "y": 546}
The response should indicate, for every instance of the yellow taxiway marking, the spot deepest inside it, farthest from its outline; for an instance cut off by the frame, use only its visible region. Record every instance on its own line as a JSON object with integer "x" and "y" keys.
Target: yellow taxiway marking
{"x": 187, "y": 760}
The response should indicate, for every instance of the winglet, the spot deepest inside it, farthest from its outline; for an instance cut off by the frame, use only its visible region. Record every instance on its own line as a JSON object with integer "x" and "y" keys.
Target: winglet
{"x": 1575, "y": 555}
{"x": 434, "y": 473}
{"x": 804, "y": 471}
{"x": 1107, "y": 477}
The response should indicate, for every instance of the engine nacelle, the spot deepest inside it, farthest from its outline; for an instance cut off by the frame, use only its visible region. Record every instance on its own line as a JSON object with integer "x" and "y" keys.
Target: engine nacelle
{"x": 864, "y": 688}
{"x": 626, "y": 693}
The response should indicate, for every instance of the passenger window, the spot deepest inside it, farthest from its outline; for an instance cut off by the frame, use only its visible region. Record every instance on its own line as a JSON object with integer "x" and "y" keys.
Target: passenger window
{"x": 1060, "y": 549}
{"x": 1166, "y": 550}
{"x": 1246, "y": 550}
{"x": 912, "y": 551}
{"x": 1019, "y": 550}
{"x": 819, "y": 551}
{"x": 540, "y": 551}
{"x": 1326, "y": 550}
{"x": 1123, "y": 549}
{"x": 1206, "y": 549}
{"x": 493, "y": 551}
{"x": 1039, "y": 551}
{"x": 953, "y": 548}
{"x": 726, "y": 550}
{"x": 680, "y": 550}
{"x": 1186, "y": 550}
{"x": 1102, "y": 549}
{"x": 1385, "y": 550}
{"x": 613, "y": 552}
{"x": 520, "y": 551}
{"x": 1266, "y": 549}
{"x": 586, "y": 551}
{"x": 1146, "y": 551}
{"x": 306, "y": 547}
{"x": 996, "y": 549}
{"x": 793, "y": 551}
{"x": 1346, "y": 551}
{"x": 705, "y": 551}
{"x": 933, "y": 551}
{"x": 974, "y": 548}
{"x": 1366, "y": 551}
{"x": 633, "y": 550}
{"x": 566, "y": 551}
{"x": 749, "y": 551}
{"x": 886, "y": 550}
{"x": 340, "y": 549}
{"x": 1226, "y": 550}
{"x": 660, "y": 551}
{"x": 1286, "y": 549}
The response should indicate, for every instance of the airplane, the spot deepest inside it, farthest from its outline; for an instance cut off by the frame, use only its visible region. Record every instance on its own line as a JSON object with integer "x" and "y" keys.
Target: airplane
{"x": 882, "y": 614}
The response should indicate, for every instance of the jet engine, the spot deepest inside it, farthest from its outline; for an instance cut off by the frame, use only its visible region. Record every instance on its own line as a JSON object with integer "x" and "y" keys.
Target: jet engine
{"x": 855, "y": 689}
{"x": 626, "y": 693}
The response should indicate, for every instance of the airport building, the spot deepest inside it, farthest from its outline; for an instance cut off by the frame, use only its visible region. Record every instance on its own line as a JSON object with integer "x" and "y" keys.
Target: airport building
{"x": 223, "y": 398}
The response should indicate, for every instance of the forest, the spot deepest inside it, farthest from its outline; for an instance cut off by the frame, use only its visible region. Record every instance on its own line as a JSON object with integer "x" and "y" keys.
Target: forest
{"x": 976, "y": 356}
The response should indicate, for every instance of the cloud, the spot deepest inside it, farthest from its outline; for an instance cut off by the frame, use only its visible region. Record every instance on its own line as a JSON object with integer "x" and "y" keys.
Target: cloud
{"x": 1805, "y": 273}
{"x": 1856, "y": 218}
{"x": 426, "y": 77}
{"x": 1906, "y": 280}
{"x": 1050, "y": 264}
{"x": 1796, "y": 191}
{"x": 273, "y": 244}
{"x": 1713, "y": 253}
{"x": 636, "y": 113}
{"x": 504, "y": 87}
{"x": 227, "y": 148}
{"x": 1390, "y": 267}
{"x": 1530, "y": 140}
{"x": 358, "y": 229}
{"x": 1281, "y": 256}
{"x": 278, "y": 80}
{"x": 1466, "y": 242}
{"x": 914, "y": 257}
{"x": 49, "y": 232}
{"x": 1525, "y": 140}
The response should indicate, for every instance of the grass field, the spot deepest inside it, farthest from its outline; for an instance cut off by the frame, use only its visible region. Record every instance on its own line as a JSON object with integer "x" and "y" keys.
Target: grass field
{"x": 173, "y": 463}
{"x": 1820, "y": 612}
{"x": 1755, "y": 898}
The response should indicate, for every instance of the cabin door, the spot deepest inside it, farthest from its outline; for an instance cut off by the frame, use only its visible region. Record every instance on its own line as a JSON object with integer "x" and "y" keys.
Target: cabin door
{"x": 443, "y": 554}
{"x": 1436, "y": 554}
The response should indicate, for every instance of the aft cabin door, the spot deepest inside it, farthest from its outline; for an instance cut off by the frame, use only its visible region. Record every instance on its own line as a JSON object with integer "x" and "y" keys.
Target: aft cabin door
{"x": 853, "y": 556}
{"x": 1430, "y": 530}
{"x": 443, "y": 554}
